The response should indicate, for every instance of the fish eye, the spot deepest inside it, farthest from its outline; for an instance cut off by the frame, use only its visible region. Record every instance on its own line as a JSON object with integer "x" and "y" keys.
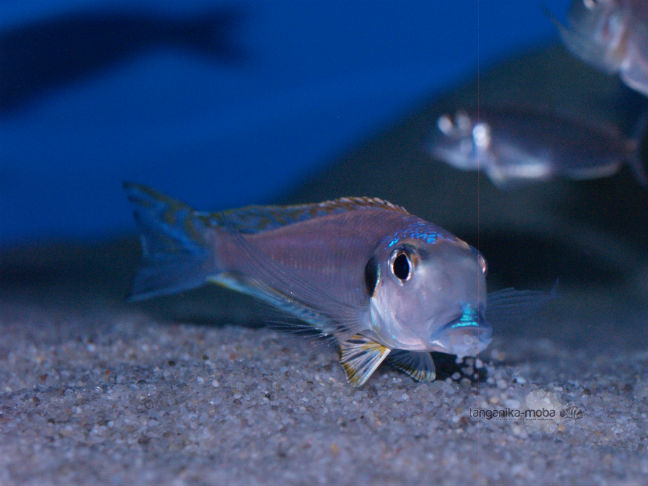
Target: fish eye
{"x": 445, "y": 125}
{"x": 401, "y": 266}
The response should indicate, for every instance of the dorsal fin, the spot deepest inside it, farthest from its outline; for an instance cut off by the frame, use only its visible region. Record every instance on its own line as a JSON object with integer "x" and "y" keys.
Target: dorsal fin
{"x": 256, "y": 219}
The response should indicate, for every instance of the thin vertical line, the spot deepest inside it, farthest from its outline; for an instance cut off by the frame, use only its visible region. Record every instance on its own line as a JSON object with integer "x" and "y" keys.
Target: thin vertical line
{"x": 478, "y": 155}
{"x": 478, "y": 117}
{"x": 479, "y": 277}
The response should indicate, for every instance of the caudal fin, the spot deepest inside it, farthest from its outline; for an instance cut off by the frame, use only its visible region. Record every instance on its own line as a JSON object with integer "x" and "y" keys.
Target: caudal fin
{"x": 175, "y": 253}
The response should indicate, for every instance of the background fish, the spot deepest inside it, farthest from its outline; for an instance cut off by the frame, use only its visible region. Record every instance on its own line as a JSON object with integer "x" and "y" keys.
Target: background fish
{"x": 611, "y": 35}
{"x": 517, "y": 146}
{"x": 379, "y": 280}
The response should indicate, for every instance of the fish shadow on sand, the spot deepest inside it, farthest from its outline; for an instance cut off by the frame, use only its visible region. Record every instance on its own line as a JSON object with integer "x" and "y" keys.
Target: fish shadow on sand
{"x": 447, "y": 367}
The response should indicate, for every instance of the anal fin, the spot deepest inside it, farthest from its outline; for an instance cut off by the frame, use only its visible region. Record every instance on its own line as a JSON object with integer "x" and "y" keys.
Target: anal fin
{"x": 419, "y": 365}
{"x": 360, "y": 357}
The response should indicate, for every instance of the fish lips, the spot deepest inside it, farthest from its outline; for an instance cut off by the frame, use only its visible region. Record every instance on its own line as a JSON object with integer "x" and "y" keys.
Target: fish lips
{"x": 463, "y": 337}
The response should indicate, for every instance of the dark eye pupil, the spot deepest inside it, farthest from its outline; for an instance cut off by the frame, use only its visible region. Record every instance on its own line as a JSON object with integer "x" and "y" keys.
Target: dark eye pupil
{"x": 401, "y": 266}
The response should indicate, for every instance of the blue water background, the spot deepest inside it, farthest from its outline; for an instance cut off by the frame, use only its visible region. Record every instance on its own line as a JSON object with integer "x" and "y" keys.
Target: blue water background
{"x": 315, "y": 79}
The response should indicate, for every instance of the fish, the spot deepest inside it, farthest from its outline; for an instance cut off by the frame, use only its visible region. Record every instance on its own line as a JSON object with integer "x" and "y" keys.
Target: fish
{"x": 47, "y": 53}
{"x": 383, "y": 284}
{"x": 517, "y": 146}
{"x": 611, "y": 35}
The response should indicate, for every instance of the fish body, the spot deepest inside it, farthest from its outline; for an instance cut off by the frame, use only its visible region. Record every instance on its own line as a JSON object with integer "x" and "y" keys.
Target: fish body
{"x": 611, "y": 35}
{"x": 380, "y": 281}
{"x": 517, "y": 146}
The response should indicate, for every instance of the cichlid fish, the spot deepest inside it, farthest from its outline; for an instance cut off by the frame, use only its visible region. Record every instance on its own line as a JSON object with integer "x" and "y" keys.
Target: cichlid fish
{"x": 382, "y": 282}
{"x": 516, "y": 146}
{"x": 611, "y": 35}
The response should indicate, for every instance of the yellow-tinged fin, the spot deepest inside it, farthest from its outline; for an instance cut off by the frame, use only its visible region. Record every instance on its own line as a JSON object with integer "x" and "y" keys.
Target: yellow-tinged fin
{"x": 360, "y": 357}
{"x": 256, "y": 219}
{"x": 417, "y": 364}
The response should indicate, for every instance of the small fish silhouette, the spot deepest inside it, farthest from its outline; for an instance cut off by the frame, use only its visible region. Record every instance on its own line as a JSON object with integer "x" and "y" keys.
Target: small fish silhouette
{"x": 51, "y": 52}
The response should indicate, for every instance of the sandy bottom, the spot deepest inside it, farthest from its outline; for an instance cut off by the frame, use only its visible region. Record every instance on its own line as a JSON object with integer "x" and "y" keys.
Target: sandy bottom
{"x": 96, "y": 391}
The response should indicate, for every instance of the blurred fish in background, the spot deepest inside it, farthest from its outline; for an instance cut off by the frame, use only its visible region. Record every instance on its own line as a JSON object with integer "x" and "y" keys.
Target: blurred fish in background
{"x": 516, "y": 146}
{"x": 611, "y": 35}
{"x": 45, "y": 53}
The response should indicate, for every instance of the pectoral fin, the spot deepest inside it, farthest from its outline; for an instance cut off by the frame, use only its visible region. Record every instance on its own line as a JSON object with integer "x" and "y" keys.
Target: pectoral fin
{"x": 360, "y": 357}
{"x": 418, "y": 365}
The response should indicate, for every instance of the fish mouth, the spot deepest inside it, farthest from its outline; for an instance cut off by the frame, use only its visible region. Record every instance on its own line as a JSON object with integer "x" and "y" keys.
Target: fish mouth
{"x": 467, "y": 335}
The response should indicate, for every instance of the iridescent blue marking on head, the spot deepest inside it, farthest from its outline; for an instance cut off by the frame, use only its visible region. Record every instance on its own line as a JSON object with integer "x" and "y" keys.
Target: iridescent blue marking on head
{"x": 416, "y": 231}
{"x": 469, "y": 318}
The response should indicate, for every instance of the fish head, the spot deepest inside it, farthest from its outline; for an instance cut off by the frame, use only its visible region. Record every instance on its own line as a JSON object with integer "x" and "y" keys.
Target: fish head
{"x": 460, "y": 140}
{"x": 430, "y": 293}
{"x": 597, "y": 32}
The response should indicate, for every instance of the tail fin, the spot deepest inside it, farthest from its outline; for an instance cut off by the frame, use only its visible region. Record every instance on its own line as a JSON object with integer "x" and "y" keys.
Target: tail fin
{"x": 636, "y": 143}
{"x": 176, "y": 255}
